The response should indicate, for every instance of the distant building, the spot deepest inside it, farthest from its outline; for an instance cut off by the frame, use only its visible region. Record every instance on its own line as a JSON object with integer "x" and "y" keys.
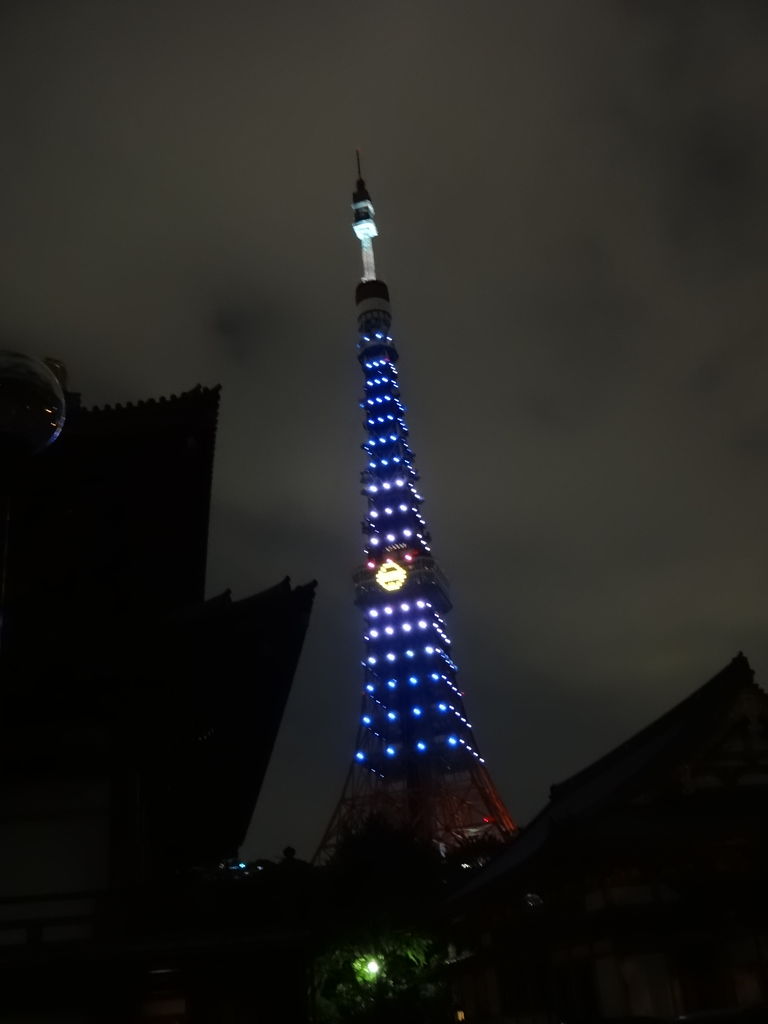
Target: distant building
{"x": 641, "y": 888}
{"x": 137, "y": 720}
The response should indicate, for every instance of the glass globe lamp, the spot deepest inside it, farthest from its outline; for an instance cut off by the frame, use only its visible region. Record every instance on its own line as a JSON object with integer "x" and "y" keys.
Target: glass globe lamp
{"x": 32, "y": 407}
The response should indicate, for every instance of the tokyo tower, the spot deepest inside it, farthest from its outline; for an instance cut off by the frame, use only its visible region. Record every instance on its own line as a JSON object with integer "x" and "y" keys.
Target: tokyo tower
{"x": 416, "y": 762}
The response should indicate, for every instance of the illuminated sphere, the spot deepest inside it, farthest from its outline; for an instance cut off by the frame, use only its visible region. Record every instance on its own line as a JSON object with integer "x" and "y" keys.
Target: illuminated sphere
{"x": 31, "y": 405}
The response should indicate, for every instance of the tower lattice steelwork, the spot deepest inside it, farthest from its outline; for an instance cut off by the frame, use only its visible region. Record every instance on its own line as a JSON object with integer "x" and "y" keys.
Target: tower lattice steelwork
{"x": 417, "y": 763}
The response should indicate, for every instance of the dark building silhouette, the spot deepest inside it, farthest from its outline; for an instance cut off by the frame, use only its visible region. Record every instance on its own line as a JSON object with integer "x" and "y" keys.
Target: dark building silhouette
{"x": 640, "y": 890}
{"x": 136, "y": 724}
{"x": 416, "y": 763}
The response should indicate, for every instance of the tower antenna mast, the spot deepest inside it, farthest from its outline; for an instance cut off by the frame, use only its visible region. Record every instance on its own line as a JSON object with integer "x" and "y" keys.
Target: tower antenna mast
{"x": 363, "y": 224}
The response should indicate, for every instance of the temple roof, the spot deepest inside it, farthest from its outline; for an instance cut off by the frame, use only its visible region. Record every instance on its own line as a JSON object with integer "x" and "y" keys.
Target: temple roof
{"x": 614, "y": 778}
{"x": 193, "y": 700}
{"x": 214, "y": 695}
{"x": 700, "y": 709}
{"x": 110, "y": 650}
{"x": 115, "y": 512}
{"x": 149, "y": 413}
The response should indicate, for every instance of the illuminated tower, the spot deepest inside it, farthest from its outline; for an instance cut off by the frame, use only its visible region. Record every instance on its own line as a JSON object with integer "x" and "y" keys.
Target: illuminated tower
{"x": 416, "y": 761}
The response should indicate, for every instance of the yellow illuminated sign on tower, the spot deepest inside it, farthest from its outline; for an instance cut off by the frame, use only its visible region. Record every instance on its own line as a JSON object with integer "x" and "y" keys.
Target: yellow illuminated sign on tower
{"x": 391, "y": 576}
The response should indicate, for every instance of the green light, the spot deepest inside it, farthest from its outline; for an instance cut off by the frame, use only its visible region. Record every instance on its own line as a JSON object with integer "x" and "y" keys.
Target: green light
{"x": 366, "y": 968}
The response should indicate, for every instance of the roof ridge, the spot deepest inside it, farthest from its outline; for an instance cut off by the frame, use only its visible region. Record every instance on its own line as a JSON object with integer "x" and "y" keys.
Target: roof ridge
{"x": 198, "y": 391}
{"x": 737, "y": 672}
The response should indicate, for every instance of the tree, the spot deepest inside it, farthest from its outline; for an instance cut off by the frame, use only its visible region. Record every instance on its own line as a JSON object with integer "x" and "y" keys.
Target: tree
{"x": 380, "y": 951}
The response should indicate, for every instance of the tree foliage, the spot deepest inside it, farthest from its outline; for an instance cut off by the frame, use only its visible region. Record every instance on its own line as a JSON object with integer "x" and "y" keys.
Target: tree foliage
{"x": 383, "y": 889}
{"x": 405, "y": 986}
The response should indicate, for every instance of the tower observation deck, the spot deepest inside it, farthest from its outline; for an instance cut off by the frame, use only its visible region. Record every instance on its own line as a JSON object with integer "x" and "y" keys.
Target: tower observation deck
{"x": 416, "y": 762}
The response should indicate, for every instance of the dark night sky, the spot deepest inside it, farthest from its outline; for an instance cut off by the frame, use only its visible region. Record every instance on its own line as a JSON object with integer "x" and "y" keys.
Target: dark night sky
{"x": 572, "y": 205}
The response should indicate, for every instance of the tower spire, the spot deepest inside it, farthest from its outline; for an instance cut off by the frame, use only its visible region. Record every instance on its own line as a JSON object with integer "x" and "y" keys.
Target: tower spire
{"x": 416, "y": 761}
{"x": 363, "y": 224}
